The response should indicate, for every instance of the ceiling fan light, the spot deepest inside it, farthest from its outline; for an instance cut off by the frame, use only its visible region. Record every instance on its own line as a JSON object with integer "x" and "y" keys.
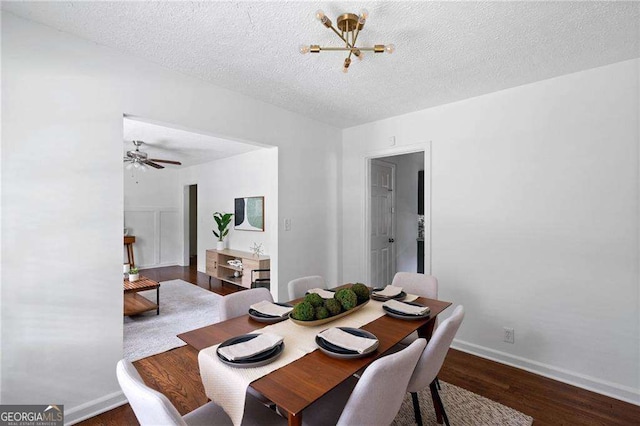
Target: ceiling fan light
{"x": 364, "y": 14}
{"x": 345, "y": 70}
{"x": 390, "y": 48}
{"x": 320, "y": 15}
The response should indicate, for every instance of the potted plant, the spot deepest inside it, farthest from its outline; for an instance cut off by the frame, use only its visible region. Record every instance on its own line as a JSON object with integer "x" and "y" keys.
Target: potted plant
{"x": 222, "y": 220}
{"x": 134, "y": 274}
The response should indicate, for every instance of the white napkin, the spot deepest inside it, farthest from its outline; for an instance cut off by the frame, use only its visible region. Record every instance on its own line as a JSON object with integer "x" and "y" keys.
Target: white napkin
{"x": 405, "y": 308}
{"x": 251, "y": 347}
{"x": 272, "y": 309}
{"x": 347, "y": 340}
{"x": 389, "y": 291}
{"x": 323, "y": 293}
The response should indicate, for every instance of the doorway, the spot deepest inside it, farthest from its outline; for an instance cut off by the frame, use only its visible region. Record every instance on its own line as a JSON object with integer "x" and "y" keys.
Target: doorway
{"x": 193, "y": 225}
{"x": 395, "y": 216}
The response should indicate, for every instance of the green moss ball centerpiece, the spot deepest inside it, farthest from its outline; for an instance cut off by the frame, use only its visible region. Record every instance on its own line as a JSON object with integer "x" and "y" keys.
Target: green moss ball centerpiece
{"x": 314, "y": 310}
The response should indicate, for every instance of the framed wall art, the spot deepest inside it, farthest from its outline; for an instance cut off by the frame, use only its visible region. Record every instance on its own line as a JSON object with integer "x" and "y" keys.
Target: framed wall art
{"x": 249, "y": 214}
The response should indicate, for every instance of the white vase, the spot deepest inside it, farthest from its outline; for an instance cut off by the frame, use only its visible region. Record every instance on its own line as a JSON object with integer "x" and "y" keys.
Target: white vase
{"x": 134, "y": 277}
{"x": 220, "y": 245}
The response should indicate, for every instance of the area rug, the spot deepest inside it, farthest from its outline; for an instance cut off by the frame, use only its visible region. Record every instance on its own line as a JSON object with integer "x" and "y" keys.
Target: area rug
{"x": 183, "y": 307}
{"x": 463, "y": 408}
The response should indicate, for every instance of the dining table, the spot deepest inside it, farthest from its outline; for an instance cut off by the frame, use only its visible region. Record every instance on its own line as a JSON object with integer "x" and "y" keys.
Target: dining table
{"x": 295, "y": 386}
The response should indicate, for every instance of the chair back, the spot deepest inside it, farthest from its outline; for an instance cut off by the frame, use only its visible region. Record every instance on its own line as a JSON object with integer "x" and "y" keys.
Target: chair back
{"x": 236, "y": 304}
{"x": 150, "y": 407}
{"x": 299, "y": 286}
{"x": 377, "y": 397}
{"x": 433, "y": 356}
{"x": 418, "y": 284}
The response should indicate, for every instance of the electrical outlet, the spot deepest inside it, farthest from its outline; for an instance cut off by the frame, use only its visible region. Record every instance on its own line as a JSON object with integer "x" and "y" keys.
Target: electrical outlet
{"x": 287, "y": 224}
{"x": 509, "y": 335}
{"x": 392, "y": 140}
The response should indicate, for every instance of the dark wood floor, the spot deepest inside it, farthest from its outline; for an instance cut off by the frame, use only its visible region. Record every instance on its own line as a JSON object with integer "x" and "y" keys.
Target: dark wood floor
{"x": 175, "y": 373}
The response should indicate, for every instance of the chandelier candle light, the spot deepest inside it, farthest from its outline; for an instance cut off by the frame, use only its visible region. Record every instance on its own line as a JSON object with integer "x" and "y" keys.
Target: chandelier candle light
{"x": 349, "y": 26}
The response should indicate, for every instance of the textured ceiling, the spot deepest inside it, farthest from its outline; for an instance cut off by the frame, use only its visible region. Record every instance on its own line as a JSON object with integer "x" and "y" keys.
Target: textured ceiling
{"x": 446, "y": 51}
{"x": 179, "y": 145}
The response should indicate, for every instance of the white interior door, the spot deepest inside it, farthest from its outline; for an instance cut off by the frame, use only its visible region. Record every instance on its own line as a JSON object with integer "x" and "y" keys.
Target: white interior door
{"x": 383, "y": 258}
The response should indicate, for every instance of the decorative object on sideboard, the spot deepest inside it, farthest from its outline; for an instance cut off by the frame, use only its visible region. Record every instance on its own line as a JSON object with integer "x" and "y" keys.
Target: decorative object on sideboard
{"x": 222, "y": 221}
{"x": 249, "y": 213}
{"x": 350, "y": 26}
{"x": 125, "y": 268}
{"x": 236, "y": 263}
{"x": 134, "y": 274}
{"x": 256, "y": 249}
{"x": 126, "y": 232}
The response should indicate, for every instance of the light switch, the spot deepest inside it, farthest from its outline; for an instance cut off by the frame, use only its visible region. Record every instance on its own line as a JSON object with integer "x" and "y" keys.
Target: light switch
{"x": 287, "y": 224}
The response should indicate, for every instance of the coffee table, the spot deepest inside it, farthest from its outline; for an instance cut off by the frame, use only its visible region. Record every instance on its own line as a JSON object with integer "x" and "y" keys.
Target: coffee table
{"x": 135, "y": 304}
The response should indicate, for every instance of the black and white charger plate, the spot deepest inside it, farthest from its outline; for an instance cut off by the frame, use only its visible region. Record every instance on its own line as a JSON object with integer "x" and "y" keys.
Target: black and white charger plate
{"x": 339, "y": 352}
{"x": 257, "y": 360}
{"x": 379, "y": 298}
{"x": 269, "y": 319}
{"x": 401, "y": 315}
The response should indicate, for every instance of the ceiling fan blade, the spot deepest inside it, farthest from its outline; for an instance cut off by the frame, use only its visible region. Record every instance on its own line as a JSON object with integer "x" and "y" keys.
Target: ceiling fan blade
{"x": 177, "y": 163}
{"x": 152, "y": 164}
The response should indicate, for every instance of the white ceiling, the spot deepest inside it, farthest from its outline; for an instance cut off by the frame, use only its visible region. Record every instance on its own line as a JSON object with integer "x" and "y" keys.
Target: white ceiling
{"x": 189, "y": 148}
{"x": 446, "y": 51}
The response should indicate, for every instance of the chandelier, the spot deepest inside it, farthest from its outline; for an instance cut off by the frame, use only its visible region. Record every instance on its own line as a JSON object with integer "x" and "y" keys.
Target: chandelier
{"x": 349, "y": 26}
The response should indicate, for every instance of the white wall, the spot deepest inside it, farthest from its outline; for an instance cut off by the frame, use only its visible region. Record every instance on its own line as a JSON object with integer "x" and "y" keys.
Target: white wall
{"x": 534, "y": 220}
{"x": 152, "y": 214}
{"x": 220, "y": 182}
{"x": 63, "y": 99}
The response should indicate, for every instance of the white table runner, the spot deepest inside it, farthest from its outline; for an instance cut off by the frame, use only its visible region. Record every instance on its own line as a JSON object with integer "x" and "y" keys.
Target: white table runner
{"x": 227, "y": 386}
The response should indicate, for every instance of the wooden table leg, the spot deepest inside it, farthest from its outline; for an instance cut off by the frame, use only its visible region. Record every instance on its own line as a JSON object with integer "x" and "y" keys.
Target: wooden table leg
{"x": 158, "y": 300}
{"x": 295, "y": 420}
{"x": 130, "y": 256}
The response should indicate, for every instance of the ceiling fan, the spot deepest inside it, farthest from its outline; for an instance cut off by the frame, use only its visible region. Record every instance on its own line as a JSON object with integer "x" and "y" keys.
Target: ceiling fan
{"x": 137, "y": 158}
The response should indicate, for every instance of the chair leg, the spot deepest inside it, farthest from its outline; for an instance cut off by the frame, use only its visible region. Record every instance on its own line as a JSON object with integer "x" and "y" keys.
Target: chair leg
{"x": 416, "y": 408}
{"x": 440, "y": 403}
{"x": 438, "y": 384}
{"x": 436, "y": 406}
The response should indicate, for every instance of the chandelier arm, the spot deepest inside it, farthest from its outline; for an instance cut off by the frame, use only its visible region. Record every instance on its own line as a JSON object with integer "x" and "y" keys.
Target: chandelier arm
{"x": 355, "y": 38}
{"x": 353, "y": 49}
{"x": 338, "y": 34}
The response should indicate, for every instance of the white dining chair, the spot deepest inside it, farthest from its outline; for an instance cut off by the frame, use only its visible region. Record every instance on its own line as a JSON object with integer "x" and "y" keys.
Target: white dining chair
{"x": 237, "y": 304}
{"x": 153, "y": 408}
{"x": 419, "y": 284}
{"x": 299, "y": 286}
{"x": 375, "y": 399}
{"x": 431, "y": 361}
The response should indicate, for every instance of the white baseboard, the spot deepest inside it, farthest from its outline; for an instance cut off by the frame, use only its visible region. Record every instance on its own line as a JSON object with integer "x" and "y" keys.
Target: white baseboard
{"x": 93, "y": 408}
{"x": 614, "y": 390}
{"x": 160, "y": 265}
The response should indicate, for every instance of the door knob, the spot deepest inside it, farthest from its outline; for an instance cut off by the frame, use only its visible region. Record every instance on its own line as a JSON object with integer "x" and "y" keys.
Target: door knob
{"x": 391, "y": 240}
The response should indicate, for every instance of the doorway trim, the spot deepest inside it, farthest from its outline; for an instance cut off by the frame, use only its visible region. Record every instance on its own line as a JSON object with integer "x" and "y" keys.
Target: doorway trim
{"x": 424, "y": 147}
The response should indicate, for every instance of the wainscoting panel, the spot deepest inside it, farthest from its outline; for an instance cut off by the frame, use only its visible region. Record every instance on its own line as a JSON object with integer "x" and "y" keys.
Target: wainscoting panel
{"x": 169, "y": 225}
{"x": 157, "y": 232}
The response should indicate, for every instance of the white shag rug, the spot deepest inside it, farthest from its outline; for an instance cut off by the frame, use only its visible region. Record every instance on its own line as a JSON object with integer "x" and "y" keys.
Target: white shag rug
{"x": 183, "y": 307}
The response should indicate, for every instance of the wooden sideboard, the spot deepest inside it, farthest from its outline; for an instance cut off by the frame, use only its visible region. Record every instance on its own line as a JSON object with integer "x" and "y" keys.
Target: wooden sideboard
{"x": 218, "y": 267}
